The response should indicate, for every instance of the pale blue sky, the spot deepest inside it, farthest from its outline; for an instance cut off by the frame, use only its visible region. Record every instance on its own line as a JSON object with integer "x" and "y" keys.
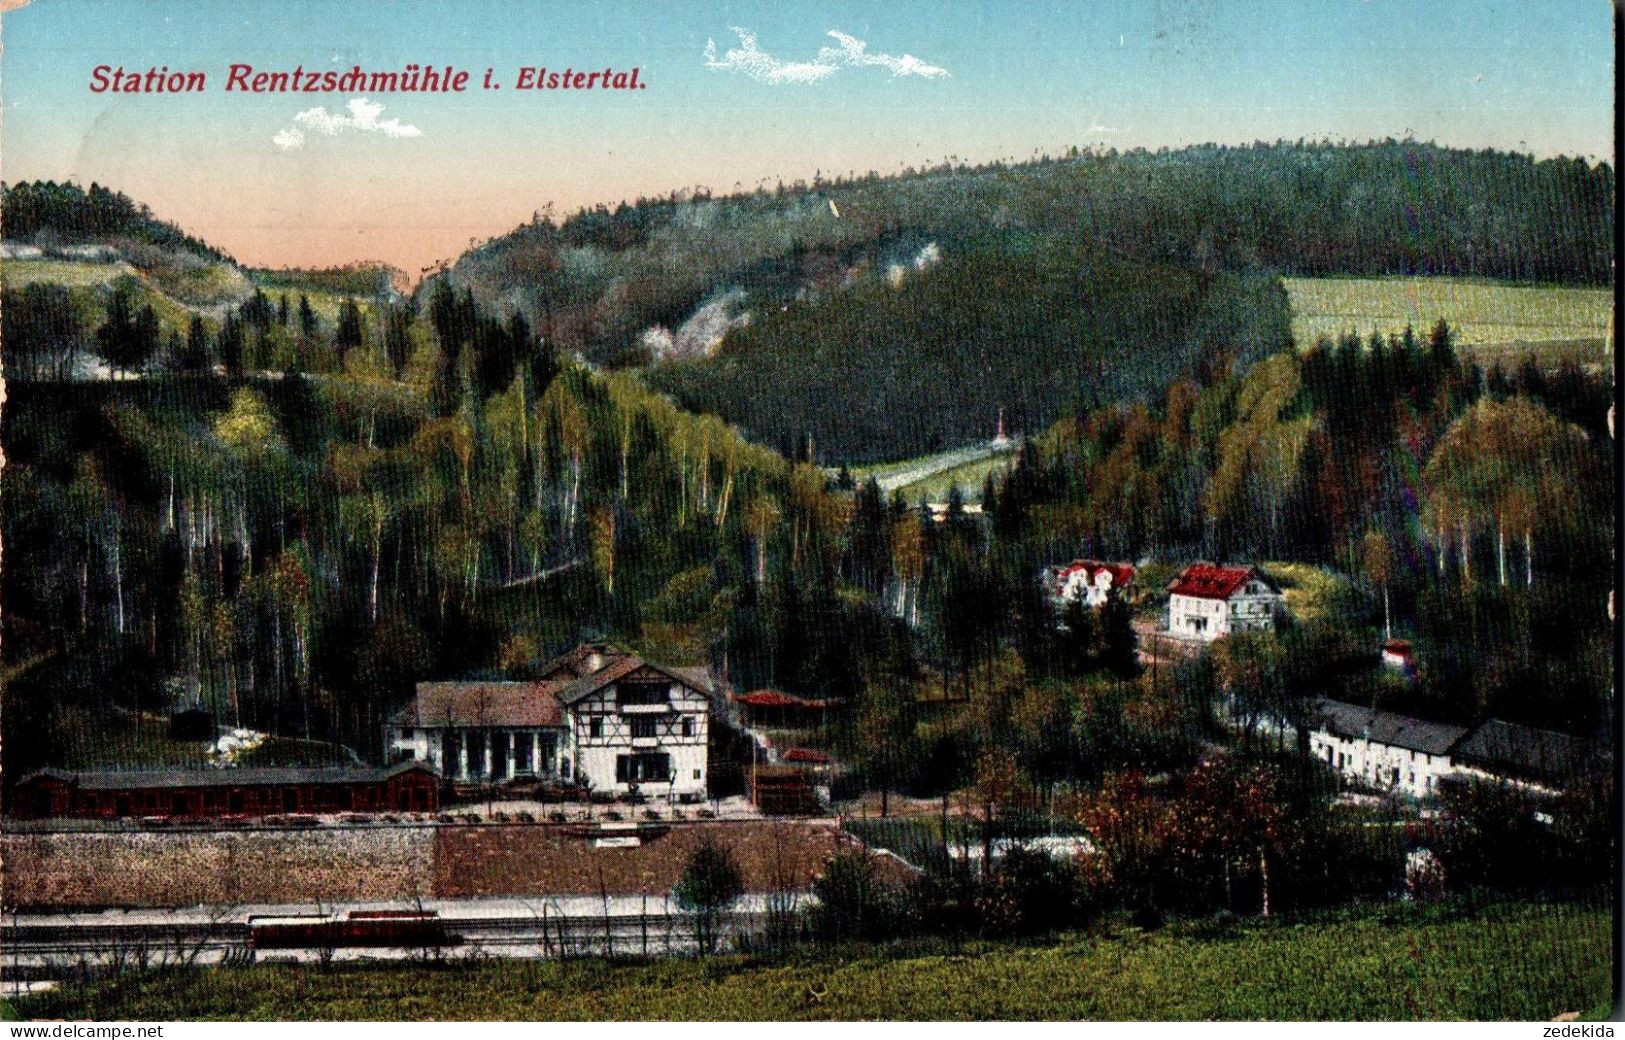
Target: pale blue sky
{"x": 1022, "y": 78}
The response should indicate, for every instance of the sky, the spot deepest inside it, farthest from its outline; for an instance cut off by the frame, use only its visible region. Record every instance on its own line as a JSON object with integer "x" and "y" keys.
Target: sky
{"x": 737, "y": 94}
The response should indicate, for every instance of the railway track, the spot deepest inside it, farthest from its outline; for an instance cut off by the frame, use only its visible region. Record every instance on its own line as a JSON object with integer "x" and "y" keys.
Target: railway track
{"x": 56, "y": 950}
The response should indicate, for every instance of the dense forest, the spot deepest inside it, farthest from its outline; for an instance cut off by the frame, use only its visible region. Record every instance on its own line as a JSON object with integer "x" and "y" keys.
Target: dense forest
{"x": 593, "y": 281}
{"x": 883, "y": 371}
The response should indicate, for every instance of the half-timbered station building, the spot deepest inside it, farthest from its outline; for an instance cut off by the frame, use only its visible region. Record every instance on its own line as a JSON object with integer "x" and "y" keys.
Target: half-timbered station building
{"x": 639, "y": 726}
{"x": 405, "y": 787}
{"x": 600, "y": 718}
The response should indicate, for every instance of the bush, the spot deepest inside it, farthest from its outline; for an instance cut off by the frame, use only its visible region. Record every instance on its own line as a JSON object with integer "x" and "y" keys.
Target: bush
{"x": 711, "y": 883}
{"x": 1031, "y": 893}
{"x": 1490, "y": 835}
{"x": 853, "y": 901}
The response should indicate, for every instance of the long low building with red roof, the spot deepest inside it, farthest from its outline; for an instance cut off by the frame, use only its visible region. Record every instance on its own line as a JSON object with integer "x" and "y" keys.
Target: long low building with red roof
{"x": 1208, "y": 601}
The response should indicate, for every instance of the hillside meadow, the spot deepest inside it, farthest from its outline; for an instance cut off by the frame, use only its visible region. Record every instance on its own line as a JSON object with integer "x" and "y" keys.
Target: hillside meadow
{"x": 1519, "y": 961}
{"x": 1493, "y": 321}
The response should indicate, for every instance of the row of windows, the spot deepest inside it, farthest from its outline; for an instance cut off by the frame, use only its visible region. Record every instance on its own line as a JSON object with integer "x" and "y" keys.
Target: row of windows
{"x": 649, "y": 767}
{"x": 641, "y": 725}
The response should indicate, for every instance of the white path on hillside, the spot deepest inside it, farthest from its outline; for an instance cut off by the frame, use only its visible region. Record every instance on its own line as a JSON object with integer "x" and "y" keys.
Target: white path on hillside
{"x": 931, "y": 466}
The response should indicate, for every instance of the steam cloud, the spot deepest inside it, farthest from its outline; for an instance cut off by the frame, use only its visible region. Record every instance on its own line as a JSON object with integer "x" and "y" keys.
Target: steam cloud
{"x": 850, "y": 52}
{"x": 362, "y": 118}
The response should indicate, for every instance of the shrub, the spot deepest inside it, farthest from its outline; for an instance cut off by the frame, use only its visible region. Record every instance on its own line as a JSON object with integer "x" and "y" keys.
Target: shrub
{"x": 853, "y": 901}
{"x": 1030, "y": 893}
{"x": 711, "y": 883}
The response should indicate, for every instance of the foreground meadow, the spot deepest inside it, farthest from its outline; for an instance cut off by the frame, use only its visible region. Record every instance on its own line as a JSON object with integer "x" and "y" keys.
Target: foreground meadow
{"x": 1508, "y": 961}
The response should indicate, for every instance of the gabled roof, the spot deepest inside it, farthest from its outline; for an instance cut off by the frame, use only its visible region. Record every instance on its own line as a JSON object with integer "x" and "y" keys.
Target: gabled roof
{"x": 135, "y": 780}
{"x": 1386, "y": 727}
{"x": 1540, "y": 754}
{"x": 516, "y": 705}
{"x": 587, "y": 685}
{"x": 1211, "y": 581}
{"x": 1121, "y": 573}
{"x": 577, "y": 661}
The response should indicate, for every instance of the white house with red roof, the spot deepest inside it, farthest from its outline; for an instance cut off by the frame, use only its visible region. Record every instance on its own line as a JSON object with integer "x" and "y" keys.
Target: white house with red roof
{"x": 1086, "y": 581}
{"x": 1208, "y": 601}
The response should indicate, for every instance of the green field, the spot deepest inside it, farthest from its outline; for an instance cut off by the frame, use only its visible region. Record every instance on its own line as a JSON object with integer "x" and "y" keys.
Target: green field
{"x": 968, "y": 477}
{"x": 1492, "y": 319}
{"x": 932, "y": 476}
{"x": 1512, "y": 961}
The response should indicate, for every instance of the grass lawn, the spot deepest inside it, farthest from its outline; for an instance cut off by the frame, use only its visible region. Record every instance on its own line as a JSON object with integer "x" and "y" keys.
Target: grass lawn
{"x": 1492, "y": 319}
{"x": 969, "y": 477}
{"x": 932, "y": 476}
{"x": 1522, "y": 961}
{"x": 1312, "y": 593}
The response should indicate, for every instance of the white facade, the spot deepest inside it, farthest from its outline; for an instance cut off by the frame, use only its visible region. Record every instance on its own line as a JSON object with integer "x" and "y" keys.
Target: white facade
{"x": 1079, "y": 586}
{"x": 1379, "y": 765}
{"x": 1384, "y": 750}
{"x": 625, "y": 725}
{"x": 485, "y": 753}
{"x": 1253, "y": 607}
{"x": 644, "y": 732}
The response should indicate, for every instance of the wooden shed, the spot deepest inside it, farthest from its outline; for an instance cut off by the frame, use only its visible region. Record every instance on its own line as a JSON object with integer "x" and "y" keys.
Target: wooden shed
{"x": 407, "y": 787}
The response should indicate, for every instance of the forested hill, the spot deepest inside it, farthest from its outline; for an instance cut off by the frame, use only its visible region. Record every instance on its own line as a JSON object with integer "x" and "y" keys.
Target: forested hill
{"x": 863, "y": 302}
{"x": 48, "y": 213}
{"x": 1394, "y": 207}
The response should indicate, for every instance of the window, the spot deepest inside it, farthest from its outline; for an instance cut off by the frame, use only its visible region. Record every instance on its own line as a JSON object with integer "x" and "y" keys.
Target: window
{"x": 647, "y": 768}
{"x": 640, "y": 693}
{"x": 688, "y": 726}
{"x": 595, "y": 727}
{"x": 696, "y": 774}
{"x": 643, "y": 726}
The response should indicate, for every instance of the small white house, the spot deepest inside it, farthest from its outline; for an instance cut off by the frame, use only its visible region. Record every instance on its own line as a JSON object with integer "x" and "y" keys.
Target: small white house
{"x": 1207, "y": 602}
{"x": 1382, "y": 749}
{"x": 1086, "y": 581}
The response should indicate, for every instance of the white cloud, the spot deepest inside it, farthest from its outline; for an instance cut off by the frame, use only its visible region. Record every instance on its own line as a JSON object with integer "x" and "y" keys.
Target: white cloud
{"x": 850, "y": 52}
{"x": 362, "y": 117}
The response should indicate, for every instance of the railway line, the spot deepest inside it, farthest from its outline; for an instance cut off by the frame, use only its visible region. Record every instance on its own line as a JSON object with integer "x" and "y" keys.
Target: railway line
{"x": 61, "y": 946}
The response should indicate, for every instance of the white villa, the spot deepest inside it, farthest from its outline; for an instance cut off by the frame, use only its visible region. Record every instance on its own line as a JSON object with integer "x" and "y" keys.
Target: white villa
{"x": 1085, "y": 581}
{"x": 1207, "y": 602}
{"x": 603, "y": 719}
